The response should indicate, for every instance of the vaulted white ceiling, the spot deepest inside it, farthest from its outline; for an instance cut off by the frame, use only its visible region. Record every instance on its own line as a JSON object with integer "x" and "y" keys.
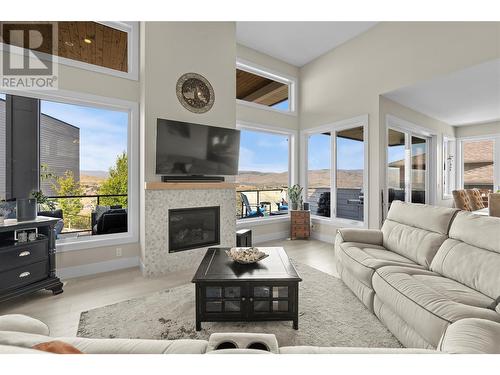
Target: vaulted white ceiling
{"x": 465, "y": 97}
{"x": 297, "y": 43}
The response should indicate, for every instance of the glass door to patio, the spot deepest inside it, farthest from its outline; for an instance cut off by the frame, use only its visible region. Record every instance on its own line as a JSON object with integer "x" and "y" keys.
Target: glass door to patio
{"x": 407, "y": 177}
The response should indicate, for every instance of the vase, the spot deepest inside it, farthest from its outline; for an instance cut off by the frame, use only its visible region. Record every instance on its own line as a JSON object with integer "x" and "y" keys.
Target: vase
{"x": 295, "y": 205}
{"x": 26, "y": 209}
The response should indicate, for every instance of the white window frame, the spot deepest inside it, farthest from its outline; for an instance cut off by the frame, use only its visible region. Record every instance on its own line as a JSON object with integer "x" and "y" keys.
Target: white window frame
{"x": 132, "y": 30}
{"x": 259, "y": 70}
{"x": 334, "y": 128}
{"x": 496, "y": 158}
{"x": 132, "y": 108}
{"x": 292, "y": 162}
{"x": 449, "y": 166}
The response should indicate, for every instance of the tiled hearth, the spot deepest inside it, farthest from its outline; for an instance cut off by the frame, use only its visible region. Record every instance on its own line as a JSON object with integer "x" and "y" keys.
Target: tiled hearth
{"x": 160, "y": 198}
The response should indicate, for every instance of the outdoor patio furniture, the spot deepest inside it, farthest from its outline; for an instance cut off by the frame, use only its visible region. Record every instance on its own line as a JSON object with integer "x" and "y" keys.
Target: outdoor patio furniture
{"x": 109, "y": 220}
{"x": 57, "y": 214}
{"x": 247, "y": 210}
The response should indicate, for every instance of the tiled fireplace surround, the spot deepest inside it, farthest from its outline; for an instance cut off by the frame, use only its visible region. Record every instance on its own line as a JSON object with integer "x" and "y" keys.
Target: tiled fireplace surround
{"x": 159, "y": 198}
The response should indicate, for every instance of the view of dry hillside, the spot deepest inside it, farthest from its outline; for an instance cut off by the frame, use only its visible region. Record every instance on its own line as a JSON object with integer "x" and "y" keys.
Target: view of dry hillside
{"x": 251, "y": 180}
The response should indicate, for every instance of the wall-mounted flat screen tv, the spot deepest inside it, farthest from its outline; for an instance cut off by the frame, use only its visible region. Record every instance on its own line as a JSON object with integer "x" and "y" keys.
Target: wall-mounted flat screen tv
{"x": 187, "y": 149}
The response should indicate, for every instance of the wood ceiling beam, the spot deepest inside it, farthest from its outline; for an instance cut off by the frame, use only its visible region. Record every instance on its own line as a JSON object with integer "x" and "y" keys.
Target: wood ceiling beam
{"x": 276, "y": 91}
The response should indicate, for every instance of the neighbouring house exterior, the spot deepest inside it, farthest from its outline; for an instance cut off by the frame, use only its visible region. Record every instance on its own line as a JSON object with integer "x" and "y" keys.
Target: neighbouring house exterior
{"x": 59, "y": 149}
{"x": 478, "y": 164}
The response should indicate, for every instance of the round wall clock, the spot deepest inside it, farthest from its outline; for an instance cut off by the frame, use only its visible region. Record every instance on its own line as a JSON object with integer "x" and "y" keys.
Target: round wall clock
{"x": 195, "y": 93}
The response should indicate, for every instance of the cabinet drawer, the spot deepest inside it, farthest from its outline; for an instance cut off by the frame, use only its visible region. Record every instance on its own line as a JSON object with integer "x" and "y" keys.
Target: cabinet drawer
{"x": 300, "y": 221}
{"x": 25, "y": 275}
{"x": 21, "y": 255}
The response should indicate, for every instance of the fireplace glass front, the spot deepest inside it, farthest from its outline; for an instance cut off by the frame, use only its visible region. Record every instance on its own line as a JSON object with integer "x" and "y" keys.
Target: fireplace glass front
{"x": 192, "y": 228}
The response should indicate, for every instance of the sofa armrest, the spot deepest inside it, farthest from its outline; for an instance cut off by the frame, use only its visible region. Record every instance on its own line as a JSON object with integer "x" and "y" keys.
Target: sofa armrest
{"x": 471, "y": 336}
{"x": 371, "y": 236}
{"x": 23, "y": 323}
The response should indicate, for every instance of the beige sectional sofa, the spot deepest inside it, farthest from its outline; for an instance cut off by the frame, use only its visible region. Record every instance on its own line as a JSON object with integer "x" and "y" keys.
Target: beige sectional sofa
{"x": 427, "y": 268}
{"x": 19, "y": 333}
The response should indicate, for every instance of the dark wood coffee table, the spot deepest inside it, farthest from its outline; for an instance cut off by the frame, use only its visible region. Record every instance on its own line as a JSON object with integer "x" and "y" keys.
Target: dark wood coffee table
{"x": 229, "y": 291}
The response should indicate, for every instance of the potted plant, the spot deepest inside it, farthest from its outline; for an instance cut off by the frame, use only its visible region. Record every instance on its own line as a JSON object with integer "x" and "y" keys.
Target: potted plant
{"x": 295, "y": 196}
{"x": 4, "y": 211}
{"x": 44, "y": 203}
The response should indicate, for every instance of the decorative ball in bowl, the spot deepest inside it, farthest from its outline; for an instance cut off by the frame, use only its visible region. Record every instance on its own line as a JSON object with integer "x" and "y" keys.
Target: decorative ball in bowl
{"x": 246, "y": 255}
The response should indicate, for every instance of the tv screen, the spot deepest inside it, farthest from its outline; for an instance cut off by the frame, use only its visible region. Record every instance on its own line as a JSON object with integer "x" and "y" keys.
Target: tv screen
{"x": 192, "y": 149}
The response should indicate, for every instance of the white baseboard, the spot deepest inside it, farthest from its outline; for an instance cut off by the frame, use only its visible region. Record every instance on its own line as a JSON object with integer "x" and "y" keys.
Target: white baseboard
{"x": 270, "y": 237}
{"x": 94, "y": 268}
{"x": 329, "y": 238}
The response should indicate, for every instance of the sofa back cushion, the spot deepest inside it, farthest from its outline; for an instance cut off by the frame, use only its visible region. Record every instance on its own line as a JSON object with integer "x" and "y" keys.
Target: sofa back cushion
{"x": 471, "y": 255}
{"x": 416, "y": 231}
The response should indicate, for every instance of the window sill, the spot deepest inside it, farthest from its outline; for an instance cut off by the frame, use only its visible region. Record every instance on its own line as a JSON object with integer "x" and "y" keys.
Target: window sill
{"x": 265, "y": 108}
{"x": 67, "y": 245}
{"x": 261, "y": 221}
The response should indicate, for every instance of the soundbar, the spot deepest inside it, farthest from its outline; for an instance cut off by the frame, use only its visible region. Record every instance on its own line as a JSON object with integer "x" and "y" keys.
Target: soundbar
{"x": 194, "y": 178}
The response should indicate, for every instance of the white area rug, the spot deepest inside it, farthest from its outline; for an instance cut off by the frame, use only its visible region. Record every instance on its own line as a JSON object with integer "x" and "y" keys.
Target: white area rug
{"x": 329, "y": 315}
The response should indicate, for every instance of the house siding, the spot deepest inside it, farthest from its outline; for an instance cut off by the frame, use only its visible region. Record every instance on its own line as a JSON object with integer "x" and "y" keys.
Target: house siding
{"x": 59, "y": 149}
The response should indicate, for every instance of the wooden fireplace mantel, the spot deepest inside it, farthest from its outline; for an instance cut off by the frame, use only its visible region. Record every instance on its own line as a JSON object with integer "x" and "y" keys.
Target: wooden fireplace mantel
{"x": 156, "y": 185}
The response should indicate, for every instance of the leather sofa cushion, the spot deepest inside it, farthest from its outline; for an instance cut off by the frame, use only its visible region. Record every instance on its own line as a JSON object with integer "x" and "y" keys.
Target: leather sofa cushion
{"x": 108, "y": 346}
{"x": 475, "y": 267}
{"x": 361, "y": 260}
{"x": 479, "y": 231}
{"x": 419, "y": 245}
{"x": 471, "y": 336}
{"x": 23, "y": 323}
{"x": 347, "y": 350}
{"x": 428, "y": 302}
{"x": 9, "y": 349}
{"x": 431, "y": 218}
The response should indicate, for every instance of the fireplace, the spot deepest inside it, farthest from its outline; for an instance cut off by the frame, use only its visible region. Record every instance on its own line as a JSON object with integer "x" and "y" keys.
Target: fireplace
{"x": 192, "y": 228}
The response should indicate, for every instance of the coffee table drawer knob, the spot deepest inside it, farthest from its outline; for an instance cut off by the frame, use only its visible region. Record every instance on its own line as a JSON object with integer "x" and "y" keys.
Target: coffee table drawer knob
{"x": 243, "y": 299}
{"x": 251, "y": 299}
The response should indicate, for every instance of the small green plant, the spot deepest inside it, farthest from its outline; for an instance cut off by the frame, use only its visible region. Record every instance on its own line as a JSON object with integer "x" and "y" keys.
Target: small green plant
{"x": 295, "y": 195}
{"x": 43, "y": 201}
{"x": 4, "y": 209}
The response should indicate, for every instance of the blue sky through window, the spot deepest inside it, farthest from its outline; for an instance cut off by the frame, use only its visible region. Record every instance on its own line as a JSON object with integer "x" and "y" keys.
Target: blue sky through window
{"x": 283, "y": 106}
{"x": 263, "y": 152}
{"x": 103, "y": 133}
{"x": 350, "y": 153}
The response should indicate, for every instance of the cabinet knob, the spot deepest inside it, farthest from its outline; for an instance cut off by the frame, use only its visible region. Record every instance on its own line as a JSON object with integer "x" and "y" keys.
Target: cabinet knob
{"x": 251, "y": 299}
{"x": 24, "y": 274}
{"x": 24, "y": 253}
{"x": 243, "y": 299}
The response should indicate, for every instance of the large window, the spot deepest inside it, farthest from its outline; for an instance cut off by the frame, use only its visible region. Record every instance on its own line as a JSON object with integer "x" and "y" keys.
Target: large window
{"x": 81, "y": 173}
{"x": 336, "y": 173}
{"x": 263, "y": 89}
{"x": 263, "y": 176}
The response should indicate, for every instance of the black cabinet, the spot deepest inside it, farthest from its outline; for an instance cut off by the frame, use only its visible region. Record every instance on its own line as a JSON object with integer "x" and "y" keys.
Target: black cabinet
{"x": 26, "y": 267}
{"x": 247, "y": 301}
